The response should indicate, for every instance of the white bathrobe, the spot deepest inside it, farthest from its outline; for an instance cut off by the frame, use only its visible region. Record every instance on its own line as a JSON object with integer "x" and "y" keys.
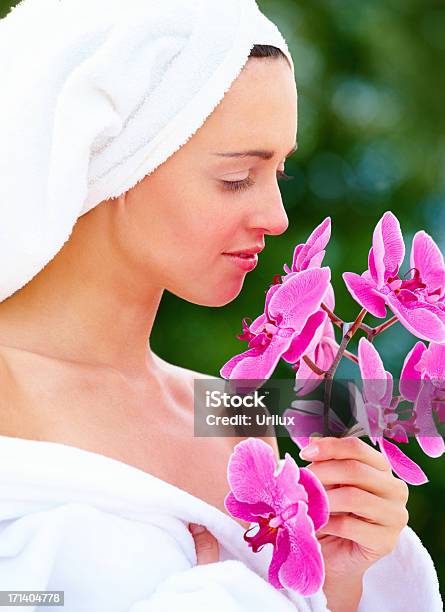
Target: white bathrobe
{"x": 115, "y": 538}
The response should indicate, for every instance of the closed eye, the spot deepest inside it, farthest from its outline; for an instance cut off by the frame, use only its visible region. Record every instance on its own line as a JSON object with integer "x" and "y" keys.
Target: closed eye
{"x": 248, "y": 182}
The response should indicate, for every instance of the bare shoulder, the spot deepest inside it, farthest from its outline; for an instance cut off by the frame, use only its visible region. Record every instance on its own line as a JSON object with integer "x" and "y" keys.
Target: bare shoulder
{"x": 11, "y": 413}
{"x": 3, "y": 365}
{"x": 190, "y": 375}
{"x": 6, "y": 373}
{"x": 270, "y": 439}
{"x": 185, "y": 373}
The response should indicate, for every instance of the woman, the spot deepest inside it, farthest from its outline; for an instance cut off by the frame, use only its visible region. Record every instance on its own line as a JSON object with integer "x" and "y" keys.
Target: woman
{"x": 101, "y": 470}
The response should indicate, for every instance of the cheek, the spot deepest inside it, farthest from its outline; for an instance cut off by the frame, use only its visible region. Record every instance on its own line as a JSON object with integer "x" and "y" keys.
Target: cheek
{"x": 195, "y": 268}
{"x": 213, "y": 219}
{"x": 184, "y": 224}
{"x": 178, "y": 236}
{"x": 197, "y": 219}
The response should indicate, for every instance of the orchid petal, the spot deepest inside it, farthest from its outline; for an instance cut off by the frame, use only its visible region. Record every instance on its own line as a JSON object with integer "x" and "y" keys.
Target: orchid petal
{"x": 410, "y": 377}
{"x": 318, "y": 503}
{"x": 425, "y": 321}
{"x": 306, "y": 380}
{"x": 245, "y": 511}
{"x": 402, "y": 465}
{"x": 280, "y": 553}
{"x": 316, "y": 260}
{"x": 310, "y": 334}
{"x": 372, "y": 371}
{"x": 227, "y": 368}
{"x": 433, "y": 446}
{"x": 299, "y": 297}
{"x": 250, "y": 472}
{"x": 388, "y": 247}
{"x": 360, "y": 410}
{"x": 303, "y": 425}
{"x": 287, "y": 481}
{"x": 261, "y": 364}
{"x": 321, "y": 234}
{"x": 297, "y": 251}
{"x": 307, "y": 417}
{"x": 316, "y": 242}
{"x": 387, "y": 398}
{"x": 329, "y": 298}
{"x": 365, "y": 294}
{"x": 303, "y": 570}
{"x": 270, "y": 292}
{"x": 371, "y": 266}
{"x": 257, "y": 324}
{"x": 376, "y": 419}
{"x": 430, "y": 441}
{"x": 252, "y": 477}
{"x": 428, "y": 260}
{"x": 399, "y": 434}
{"x": 432, "y": 363}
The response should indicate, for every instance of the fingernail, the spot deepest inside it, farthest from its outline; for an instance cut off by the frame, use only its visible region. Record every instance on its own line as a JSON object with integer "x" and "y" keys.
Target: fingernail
{"x": 309, "y": 451}
{"x": 196, "y": 529}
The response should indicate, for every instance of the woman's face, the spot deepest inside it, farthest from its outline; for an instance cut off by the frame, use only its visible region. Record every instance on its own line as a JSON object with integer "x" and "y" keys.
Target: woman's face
{"x": 180, "y": 219}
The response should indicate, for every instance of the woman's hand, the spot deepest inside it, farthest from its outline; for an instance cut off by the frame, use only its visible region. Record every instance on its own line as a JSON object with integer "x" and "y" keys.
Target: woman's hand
{"x": 206, "y": 545}
{"x": 368, "y": 511}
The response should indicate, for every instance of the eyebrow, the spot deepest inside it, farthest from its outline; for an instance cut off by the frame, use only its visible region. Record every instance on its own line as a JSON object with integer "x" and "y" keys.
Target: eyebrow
{"x": 256, "y": 153}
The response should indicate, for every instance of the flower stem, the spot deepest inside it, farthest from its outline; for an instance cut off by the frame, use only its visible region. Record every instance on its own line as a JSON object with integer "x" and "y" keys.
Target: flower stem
{"x": 357, "y": 323}
{"x": 366, "y": 328}
{"x": 314, "y": 367}
{"x": 381, "y": 328}
{"x": 351, "y": 356}
{"x": 336, "y": 320}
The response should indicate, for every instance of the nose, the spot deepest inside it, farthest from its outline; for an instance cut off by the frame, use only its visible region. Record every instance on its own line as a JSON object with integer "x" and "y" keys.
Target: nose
{"x": 269, "y": 213}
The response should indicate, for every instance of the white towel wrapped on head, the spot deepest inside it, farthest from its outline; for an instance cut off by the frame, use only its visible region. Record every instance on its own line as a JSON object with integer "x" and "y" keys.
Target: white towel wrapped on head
{"x": 95, "y": 95}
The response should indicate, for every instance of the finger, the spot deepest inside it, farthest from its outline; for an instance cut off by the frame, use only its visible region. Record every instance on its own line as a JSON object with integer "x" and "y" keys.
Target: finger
{"x": 361, "y": 475}
{"x": 206, "y": 545}
{"x": 367, "y": 506}
{"x": 373, "y": 538}
{"x": 345, "y": 448}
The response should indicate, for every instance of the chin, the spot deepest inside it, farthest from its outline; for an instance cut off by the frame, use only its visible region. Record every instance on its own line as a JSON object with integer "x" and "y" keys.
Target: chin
{"x": 226, "y": 292}
{"x": 221, "y": 296}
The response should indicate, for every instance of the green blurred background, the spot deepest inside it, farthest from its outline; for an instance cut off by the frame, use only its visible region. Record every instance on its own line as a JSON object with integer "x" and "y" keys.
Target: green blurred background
{"x": 371, "y": 138}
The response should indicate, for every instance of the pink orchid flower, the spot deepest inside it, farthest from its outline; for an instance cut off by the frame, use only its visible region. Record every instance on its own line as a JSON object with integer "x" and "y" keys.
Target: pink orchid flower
{"x": 285, "y": 329}
{"x": 321, "y": 351}
{"x": 375, "y": 410}
{"x": 310, "y": 254}
{"x": 307, "y": 419}
{"x": 423, "y": 382}
{"x": 323, "y": 346}
{"x": 289, "y": 505}
{"x": 418, "y": 302}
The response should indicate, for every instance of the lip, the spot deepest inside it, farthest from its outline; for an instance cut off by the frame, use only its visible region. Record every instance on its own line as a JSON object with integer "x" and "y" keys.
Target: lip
{"x": 246, "y": 264}
{"x": 252, "y": 251}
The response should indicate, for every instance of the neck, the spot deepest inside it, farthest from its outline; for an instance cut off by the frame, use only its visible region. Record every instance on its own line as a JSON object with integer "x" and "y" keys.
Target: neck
{"x": 88, "y": 306}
